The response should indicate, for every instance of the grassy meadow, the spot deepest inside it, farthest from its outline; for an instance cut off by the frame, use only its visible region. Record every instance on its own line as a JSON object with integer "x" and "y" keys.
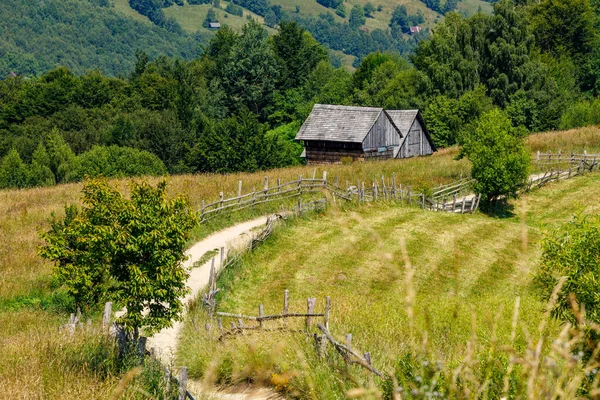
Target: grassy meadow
{"x": 468, "y": 272}
{"x": 39, "y": 362}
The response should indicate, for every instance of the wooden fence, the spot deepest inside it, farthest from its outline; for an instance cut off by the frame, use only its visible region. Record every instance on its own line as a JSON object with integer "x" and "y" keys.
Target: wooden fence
{"x": 578, "y": 164}
{"x": 572, "y": 159}
{"x": 268, "y": 194}
{"x": 243, "y": 323}
{"x": 445, "y": 198}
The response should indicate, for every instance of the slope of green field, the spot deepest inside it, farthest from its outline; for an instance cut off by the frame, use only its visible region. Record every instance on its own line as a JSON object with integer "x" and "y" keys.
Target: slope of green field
{"x": 191, "y": 17}
{"x": 468, "y": 271}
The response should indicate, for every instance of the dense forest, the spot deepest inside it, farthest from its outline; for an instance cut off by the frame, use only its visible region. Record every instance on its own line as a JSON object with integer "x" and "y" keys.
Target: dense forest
{"x": 238, "y": 105}
{"x": 81, "y": 35}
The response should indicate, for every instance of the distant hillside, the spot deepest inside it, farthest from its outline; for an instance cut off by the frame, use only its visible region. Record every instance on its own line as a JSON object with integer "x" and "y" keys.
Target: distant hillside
{"x": 334, "y": 23}
{"x": 38, "y": 35}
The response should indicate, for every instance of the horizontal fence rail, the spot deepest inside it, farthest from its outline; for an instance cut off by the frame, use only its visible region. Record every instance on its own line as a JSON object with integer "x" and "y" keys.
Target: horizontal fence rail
{"x": 447, "y": 198}
{"x": 322, "y": 335}
{"x": 551, "y": 158}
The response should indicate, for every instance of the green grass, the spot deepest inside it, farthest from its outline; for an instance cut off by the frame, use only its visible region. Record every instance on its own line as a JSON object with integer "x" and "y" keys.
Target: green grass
{"x": 31, "y": 310}
{"x": 191, "y": 17}
{"x": 467, "y": 268}
{"x": 122, "y": 6}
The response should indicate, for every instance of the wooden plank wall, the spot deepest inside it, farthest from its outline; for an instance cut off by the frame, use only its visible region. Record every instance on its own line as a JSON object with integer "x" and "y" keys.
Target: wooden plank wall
{"x": 382, "y": 134}
{"x": 416, "y": 143}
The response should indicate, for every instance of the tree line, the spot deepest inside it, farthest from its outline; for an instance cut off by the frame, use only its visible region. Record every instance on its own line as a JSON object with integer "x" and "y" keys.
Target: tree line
{"x": 238, "y": 106}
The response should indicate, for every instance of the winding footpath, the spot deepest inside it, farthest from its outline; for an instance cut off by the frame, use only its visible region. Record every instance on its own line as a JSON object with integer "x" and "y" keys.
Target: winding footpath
{"x": 165, "y": 341}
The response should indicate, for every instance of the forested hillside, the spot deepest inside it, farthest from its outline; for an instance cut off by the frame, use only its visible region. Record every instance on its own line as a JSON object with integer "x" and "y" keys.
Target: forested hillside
{"x": 238, "y": 106}
{"x": 81, "y": 35}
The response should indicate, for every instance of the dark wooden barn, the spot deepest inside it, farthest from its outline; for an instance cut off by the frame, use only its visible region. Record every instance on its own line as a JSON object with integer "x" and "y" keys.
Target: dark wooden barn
{"x": 332, "y": 133}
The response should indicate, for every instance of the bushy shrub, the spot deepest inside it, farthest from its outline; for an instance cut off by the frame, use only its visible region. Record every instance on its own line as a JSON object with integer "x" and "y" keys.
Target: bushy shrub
{"x": 573, "y": 252}
{"x": 115, "y": 161}
{"x": 583, "y": 113}
{"x": 500, "y": 160}
{"x": 13, "y": 171}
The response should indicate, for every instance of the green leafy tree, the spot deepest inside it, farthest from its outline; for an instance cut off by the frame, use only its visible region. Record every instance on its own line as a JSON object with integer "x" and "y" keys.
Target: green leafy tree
{"x": 297, "y": 54}
{"x": 572, "y": 253}
{"x": 115, "y": 161}
{"x": 249, "y": 74}
{"x": 340, "y": 10}
{"x": 211, "y": 16}
{"x": 270, "y": 19}
{"x": 13, "y": 171}
{"x": 565, "y": 26}
{"x": 62, "y": 159}
{"x": 357, "y": 17}
{"x": 369, "y": 9}
{"x": 126, "y": 250}
{"x": 40, "y": 173}
{"x": 498, "y": 154}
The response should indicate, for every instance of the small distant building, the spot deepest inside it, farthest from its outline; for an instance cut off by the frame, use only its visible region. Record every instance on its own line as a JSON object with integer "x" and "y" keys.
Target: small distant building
{"x": 333, "y": 132}
{"x": 214, "y": 25}
{"x": 415, "y": 29}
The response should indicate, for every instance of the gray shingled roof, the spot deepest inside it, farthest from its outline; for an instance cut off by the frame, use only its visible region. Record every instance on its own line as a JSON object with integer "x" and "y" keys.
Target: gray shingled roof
{"x": 338, "y": 123}
{"x": 403, "y": 119}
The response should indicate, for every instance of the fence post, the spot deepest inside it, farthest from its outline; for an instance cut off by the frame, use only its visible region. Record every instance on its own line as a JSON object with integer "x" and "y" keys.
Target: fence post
{"x": 324, "y": 178}
{"x": 349, "y": 340}
{"x": 375, "y": 191}
{"x": 572, "y": 158}
{"x": 299, "y": 184}
{"x": 220, "y": 199}
{"x": 106, "y": 316}
{"x": 220, "y": 323}
{"x": 394, "y": 186}
{"x": 211, "y": 278}
{"x": 327, "y": 311}
{"x": 266, "y": 188}
{"x": 462, "y": 209}
{"x": 202, "y": 212}
{"x": 363, "y": 191}
{"x": 183, "y": 375}
{"x": 409, "y": 196}
{"x": 310, "y": 309}
{"x": 358, "y": 191}
{"x": 222, "y": 257}
{"x": 286, "y": 294}
{"x": 278, "y": 185}
{"x": 423, "y": 201}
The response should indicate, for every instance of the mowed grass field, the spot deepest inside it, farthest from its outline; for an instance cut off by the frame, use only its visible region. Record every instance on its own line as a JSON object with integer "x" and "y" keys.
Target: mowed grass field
{"x": 33, "y": 364}
{"x": 468, "y": 272}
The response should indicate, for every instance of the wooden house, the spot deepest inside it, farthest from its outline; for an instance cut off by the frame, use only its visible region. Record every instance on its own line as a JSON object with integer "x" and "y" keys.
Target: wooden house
{"x": 333, "y": 132}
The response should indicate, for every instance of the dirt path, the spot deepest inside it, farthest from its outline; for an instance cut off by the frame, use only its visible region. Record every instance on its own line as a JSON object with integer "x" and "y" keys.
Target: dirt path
{"x": 165, "y": 341}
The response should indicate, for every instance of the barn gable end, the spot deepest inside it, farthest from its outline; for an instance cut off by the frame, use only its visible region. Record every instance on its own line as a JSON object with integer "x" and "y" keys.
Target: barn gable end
{"x": 416, "y": 140}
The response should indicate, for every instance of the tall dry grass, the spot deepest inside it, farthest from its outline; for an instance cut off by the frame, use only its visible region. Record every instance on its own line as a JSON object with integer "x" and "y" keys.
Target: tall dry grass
{"x": 30, "y": 312}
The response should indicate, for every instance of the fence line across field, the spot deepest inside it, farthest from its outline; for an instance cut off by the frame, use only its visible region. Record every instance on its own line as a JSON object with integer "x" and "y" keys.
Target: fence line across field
{"x": 385, "y": 190}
